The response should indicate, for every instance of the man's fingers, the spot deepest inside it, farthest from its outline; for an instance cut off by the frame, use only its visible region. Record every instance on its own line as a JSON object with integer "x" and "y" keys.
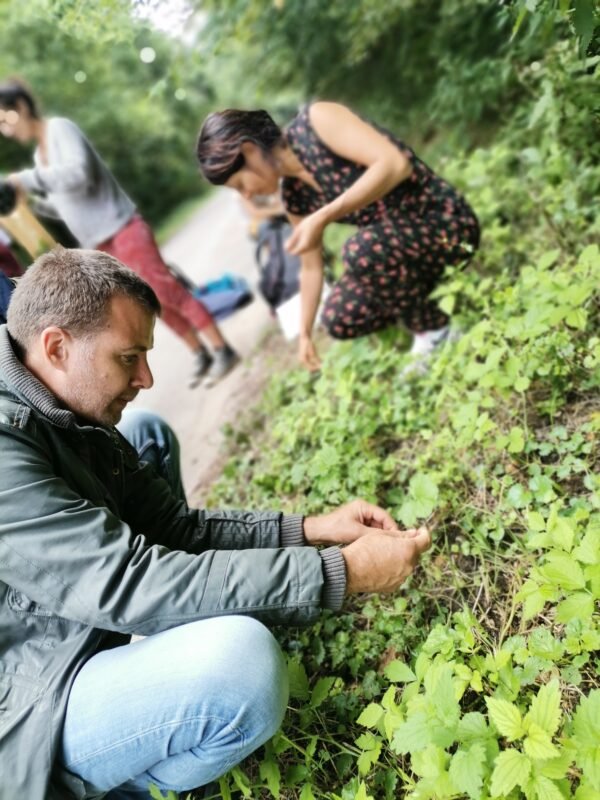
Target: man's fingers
{"x": 376, "y": 517}
{"x": 422, "y": 540}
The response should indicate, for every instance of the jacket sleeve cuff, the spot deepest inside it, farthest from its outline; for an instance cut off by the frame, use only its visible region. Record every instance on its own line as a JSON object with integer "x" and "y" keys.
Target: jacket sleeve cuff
{"x": 292, "y": 531}
{"x": 30, "y": 181}
{"x": 334, "y": 572}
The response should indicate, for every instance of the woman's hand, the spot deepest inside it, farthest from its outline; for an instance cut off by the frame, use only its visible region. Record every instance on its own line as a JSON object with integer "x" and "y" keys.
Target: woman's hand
{"x": 307, "y": 235}
{"x": 307, "y": 353}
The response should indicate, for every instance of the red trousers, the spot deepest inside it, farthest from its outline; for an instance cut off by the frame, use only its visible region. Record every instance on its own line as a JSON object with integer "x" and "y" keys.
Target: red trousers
{"x": 8, "y": 263}
{"x": 134, "y": 245}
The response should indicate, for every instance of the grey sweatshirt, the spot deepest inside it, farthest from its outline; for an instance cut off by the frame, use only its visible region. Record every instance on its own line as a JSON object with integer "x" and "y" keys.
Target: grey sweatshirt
{"x": 78, "y": 186}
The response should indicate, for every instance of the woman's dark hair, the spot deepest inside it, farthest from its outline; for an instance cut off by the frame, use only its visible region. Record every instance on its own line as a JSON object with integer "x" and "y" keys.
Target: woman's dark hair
{"x": 12, "y": 91}
{"x": 221, "y": 138}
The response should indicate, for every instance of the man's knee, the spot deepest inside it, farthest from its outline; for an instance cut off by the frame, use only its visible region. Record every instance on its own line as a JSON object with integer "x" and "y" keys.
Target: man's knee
{"x": 261, "y": 670}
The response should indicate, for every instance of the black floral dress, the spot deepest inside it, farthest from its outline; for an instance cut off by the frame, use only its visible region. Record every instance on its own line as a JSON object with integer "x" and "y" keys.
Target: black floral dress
{"x": 403, "y": 243}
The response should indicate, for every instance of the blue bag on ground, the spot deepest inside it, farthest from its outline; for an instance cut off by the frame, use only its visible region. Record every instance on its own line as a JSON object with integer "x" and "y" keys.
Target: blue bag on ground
{"x": 221, "y": 296}
{"x": 224, "y": 295}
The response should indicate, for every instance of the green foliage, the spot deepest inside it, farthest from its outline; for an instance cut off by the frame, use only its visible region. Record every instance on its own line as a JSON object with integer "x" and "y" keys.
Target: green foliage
{"x": 448, "y": 63}
{"x": 481, "y": 678}
{"x": 83, "y": 61}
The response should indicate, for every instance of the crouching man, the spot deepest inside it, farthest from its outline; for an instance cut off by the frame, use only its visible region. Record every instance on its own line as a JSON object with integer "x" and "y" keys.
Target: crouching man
{"x": 94, "y": 547}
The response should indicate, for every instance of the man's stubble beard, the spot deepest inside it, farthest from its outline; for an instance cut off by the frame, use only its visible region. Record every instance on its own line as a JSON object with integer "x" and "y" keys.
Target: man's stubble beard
{"x": 85, "y": 397}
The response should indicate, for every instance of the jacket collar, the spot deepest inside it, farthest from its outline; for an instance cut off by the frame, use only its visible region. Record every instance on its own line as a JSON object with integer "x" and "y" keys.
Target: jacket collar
{"x": 27, "y": 386}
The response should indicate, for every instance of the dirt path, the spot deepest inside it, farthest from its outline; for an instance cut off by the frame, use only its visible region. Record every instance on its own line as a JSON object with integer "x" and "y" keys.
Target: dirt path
{"x": 215, "y": 240}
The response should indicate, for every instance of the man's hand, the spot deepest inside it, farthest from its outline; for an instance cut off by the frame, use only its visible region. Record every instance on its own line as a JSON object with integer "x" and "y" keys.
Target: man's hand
{"x": 348, "y": 523}
{"x": 382, "y": 561}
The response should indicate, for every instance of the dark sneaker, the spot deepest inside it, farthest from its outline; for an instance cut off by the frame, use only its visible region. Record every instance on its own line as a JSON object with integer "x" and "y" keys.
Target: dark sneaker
{"x": 224, "y": 360}
{"x": 203, "y": 363}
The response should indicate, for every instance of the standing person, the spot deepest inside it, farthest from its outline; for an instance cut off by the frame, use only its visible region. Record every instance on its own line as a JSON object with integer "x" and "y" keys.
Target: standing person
{"x": 94, "y": 547}
{"x": 9, "y": 265}
{"x": 335, "y": 167}
{"x": 79, "y": 188}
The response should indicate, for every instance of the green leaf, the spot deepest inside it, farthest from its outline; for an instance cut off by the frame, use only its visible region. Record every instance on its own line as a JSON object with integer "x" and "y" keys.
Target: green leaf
{"x": 511, "y": 769}
{"x": 522, "y": 383}
{"x": 562, "y": 570}
{"x": 447, "y": 303}
{"x": 579, "y": 605}
{"x": 536, "y": 521}
{"x": 241, "y": 781}
{"x": 467, "y": 770}
{"x": 547, "y": 259}
{"x": 320, "y": 691}
{"x": 472, "y": 727}
{"x": 586, "y": 721}
{"x": 586, "y": 792}
{"x": 538, "y": 744}
{"x": 371, "y": 715}
{"x": 584, "y": 21}
{"x": 368, "y": 757}
{"x": 306, "y": 793}
{"x": 424, "y": 493}
{"x": 408, "y": 513}
{"x": 556, "y": 768}
{"x": 399, "y": 672}
{"x": 588, "y": 550}
{"x": 361, "y": 794}
{"x": 297, "y": 680}
{"x": 546, "y": 789}
{"x": 545, "y": 708}
{"x": 577, "y": 319}
{"x": 413, "y": 735}
{"x": 224, "y": 788}
{"x": 269, "y": 772}
{"x": 156, "y": 794}
{"x": 506, "y": 717}
{"x": 562, "y": 530}
{"x": 516, "y": 440}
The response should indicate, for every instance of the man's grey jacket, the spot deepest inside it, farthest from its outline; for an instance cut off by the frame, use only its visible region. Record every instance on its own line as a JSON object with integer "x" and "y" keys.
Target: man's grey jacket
{"x": 93, "y": 548}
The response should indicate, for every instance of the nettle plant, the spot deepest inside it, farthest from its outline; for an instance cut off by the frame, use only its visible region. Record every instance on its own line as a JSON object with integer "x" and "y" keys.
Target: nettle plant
{"x": 500, "y": 442}
{"x": 481, "y": 678}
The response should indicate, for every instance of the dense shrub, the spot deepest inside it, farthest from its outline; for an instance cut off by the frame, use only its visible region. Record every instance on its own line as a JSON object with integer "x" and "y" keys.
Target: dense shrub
{"x": 481, "y": 677}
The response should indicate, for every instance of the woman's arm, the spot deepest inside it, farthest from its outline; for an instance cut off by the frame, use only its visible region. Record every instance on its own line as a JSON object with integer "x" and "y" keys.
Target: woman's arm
{"x": 350, "y": 137}
{"x": 71, "y": 169}
{"x": 311, "y": 286}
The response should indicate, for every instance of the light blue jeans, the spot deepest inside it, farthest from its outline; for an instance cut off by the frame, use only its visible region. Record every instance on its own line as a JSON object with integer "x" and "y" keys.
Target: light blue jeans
{"x": 177, "y": 709}
{"x": 156, "y": 443}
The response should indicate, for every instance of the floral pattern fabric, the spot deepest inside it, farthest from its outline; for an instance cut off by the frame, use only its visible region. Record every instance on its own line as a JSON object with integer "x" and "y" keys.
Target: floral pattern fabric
{"x": 403, "y": 243}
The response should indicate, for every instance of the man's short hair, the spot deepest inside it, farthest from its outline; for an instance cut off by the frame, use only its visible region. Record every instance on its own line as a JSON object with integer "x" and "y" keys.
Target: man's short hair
{"x": 72, "y": 289}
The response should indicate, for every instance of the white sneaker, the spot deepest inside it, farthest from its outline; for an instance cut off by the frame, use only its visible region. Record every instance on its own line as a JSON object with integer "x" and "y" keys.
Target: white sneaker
{"x": 425, "y": 343}
{"x": 423, "y": 346}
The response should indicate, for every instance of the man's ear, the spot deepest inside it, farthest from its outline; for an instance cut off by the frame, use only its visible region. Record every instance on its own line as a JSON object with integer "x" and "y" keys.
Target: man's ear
{"x": 56, "y": 344}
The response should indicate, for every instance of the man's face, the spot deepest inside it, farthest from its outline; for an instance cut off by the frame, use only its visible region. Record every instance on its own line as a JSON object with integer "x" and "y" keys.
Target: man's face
{"x": 106, "y": 371}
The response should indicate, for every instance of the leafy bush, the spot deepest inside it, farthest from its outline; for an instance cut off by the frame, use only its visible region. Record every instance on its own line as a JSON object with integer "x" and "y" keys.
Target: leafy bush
{"x": 480, "y": 678}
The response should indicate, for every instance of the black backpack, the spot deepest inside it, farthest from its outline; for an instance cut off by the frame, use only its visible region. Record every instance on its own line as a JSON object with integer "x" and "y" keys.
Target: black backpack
{"x": 279, "y": 270}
